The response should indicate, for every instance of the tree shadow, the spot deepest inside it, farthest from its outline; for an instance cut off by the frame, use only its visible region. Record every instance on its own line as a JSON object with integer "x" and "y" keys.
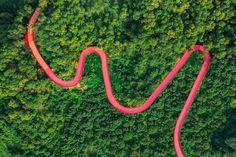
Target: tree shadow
{"x": 8, "y": 12}
{"x": 224, "y": 139}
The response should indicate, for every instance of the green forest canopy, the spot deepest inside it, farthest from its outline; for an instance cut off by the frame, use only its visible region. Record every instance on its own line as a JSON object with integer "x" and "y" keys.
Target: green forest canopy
{"x": 143, "y": 40}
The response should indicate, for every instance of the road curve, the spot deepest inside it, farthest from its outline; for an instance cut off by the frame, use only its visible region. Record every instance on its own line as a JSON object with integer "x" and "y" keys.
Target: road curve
{"x": 31, "y": 43}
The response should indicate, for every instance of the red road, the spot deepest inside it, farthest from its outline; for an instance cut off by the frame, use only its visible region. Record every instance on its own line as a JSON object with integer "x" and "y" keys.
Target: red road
{"x": 30, "y": 41}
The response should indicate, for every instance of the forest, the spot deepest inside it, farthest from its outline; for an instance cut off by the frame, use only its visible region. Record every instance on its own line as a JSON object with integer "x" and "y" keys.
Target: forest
{"x": 143, "y": 39}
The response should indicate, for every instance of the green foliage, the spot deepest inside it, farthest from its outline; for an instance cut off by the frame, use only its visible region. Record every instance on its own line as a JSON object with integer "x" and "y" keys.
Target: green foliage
{"x": 143, "y": 40}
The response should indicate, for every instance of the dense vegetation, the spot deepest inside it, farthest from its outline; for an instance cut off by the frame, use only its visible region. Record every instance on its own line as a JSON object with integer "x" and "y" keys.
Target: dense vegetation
{"x": 143, "y": 40}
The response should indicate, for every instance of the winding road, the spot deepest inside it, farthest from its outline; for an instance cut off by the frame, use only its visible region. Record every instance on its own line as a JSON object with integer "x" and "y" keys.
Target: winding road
{"x": 31, "y": 43}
